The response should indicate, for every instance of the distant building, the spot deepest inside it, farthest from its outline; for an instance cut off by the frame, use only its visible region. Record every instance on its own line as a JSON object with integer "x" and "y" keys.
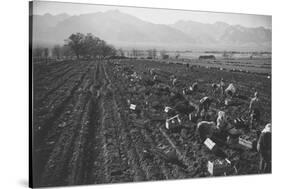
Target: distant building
{"x": 207, "y": 57}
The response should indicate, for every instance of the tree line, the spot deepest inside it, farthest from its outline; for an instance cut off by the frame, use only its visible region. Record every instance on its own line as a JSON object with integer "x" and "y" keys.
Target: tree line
{"x": 78, "y": 45}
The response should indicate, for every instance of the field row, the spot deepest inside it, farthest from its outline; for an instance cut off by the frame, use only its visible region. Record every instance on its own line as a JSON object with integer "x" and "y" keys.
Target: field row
{"x": 85, "y": 132}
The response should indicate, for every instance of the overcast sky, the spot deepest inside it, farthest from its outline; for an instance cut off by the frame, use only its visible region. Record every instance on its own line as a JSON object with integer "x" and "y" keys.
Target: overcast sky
{"x": 158, "y": 16}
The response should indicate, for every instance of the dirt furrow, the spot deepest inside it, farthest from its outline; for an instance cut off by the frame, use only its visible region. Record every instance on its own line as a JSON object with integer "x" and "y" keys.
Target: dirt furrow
{"x": 92, "y": 167}
{"x": 57, "y": 167}
{"x": 45, "y": 80}
{"x": 48, "y": 136}
{"x": 128, "y": 149}
{"x": 148, "y": 166}
{"x": 114, "y": 165}
{"x": 60, "y": 83}
{"x": 56, "y": 112}
{"x": 76, "y": 163}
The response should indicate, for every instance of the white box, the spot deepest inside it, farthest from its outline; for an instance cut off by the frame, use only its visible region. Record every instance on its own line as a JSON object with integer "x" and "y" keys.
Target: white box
{"x": 133, "y": 106}
{"x": 209, "y": 143}
{"x": 245, "y": 143}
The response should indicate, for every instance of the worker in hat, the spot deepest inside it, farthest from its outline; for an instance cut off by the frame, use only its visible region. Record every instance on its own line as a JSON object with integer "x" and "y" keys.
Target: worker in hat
{"x": 264, "y": 149}
{"x": 254, "y": 110}
{"x": 230, "y": 90}
{"x": 222, "y": 87}
{"x": 204, "y": 105}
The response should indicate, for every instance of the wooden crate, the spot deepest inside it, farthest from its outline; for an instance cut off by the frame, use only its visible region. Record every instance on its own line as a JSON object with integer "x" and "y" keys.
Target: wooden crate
{"x": 173, "y": 122}
{"x": 245, "y": 143}
{"x": 219, "y": 167}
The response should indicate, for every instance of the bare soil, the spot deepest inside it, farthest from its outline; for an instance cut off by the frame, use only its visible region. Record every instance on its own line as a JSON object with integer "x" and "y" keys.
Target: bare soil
{"x": 85, "y": 133}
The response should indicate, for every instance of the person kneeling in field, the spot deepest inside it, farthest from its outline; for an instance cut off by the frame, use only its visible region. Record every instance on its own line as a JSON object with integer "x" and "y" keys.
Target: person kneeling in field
{"x": 230, "y": 90}
{"x": 152, "y": 71}
{"x": 184, "y": 107}
{"x": 254, "y": 110}
{"x": 174, "y": 82}
{"x": 206, "y": 129}
{"x": 204, "y": 104}
{"x": 156, "y": 79}
{"x": 215, "y": 88}
{"x": 221, "y": 120}
{"x": 194, "y": 87}
{"x": 264, "y": 149}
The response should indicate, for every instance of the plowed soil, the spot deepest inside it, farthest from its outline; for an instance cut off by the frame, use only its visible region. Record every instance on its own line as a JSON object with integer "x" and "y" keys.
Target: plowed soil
{"x": 85, "y": 133}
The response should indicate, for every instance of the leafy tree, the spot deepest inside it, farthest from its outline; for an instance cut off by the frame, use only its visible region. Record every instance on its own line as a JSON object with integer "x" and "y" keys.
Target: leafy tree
{"x": 75, "y": 42}
{"x": 89, "y": 46}
{"x": 107, "y": 50}
{"x": 66, "y": 51}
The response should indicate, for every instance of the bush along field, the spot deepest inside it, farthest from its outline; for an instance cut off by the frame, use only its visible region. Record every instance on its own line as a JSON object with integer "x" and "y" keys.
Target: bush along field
{"x": 113, "y": 121}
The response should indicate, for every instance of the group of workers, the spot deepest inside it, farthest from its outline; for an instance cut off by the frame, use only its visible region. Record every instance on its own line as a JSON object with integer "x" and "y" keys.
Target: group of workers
{"x": 254, "y": 110}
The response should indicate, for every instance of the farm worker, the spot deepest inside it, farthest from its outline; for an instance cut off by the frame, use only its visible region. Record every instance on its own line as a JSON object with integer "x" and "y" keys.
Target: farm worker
{"x": 152, "y": 71}
{"x": 215, "y": 87}
{"x": 222, "y": 86}
{"x": 204, "y": 104}
{"x": 221, "y": 120}
{"x": 254, "y": 110}
{"x": 155, "y": 78}
{"x": 230, "y": 90}
{"x": 194, "y": 86}
{"x": 174, "y": 81}
{"x": 184, "y": 107}
{"x": 185, "y": 91}
{"x": 264, "y": 149}
{"x": 205, "y": 129}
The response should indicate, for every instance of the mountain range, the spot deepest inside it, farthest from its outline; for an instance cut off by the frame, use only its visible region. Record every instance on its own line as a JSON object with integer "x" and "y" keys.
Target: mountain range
{"x": 127, "y": 31}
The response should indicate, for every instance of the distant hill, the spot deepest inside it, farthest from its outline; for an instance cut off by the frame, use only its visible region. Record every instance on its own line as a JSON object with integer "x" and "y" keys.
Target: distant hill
{"x": 225, "y": 35}
{"x": 124, "y": 30}
{"x": 46, "y": 21}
